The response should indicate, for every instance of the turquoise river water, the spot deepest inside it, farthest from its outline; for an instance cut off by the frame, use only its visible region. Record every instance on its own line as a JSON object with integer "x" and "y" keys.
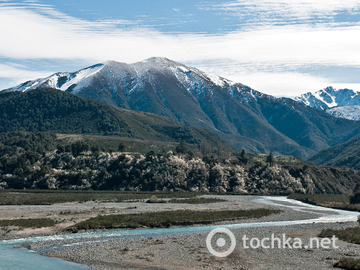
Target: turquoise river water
{"x": 21, "y": 258}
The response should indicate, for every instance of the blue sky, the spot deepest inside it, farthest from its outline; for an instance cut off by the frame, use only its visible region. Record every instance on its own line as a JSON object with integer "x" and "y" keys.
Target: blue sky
{"x": 279, "y": 47}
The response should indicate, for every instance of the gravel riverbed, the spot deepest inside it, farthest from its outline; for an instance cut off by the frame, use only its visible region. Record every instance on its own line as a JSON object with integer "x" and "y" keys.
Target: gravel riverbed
{"x": 189, "y": 251}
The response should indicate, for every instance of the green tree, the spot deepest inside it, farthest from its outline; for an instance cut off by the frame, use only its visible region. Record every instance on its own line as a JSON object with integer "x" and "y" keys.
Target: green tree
{"x": 78, "y": 147}
{"x": 182, "y": 148}
{"x": 68, "y": 148}
{"x": 60, "y": 148}
{"x": 270, "y": 159}
{"x": 150, "y": 155}
{"x": 95, "y": 148}
{"x": 121, "y": 147}
{"x": 243, "y": 159}
{"x": 355, "y": 197}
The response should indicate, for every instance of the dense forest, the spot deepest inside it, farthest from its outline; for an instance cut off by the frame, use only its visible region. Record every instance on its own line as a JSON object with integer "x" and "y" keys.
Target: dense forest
{"x": 52, "y": 110}
{"x": 40, "y": 160}
{"x": 346, "y": 154}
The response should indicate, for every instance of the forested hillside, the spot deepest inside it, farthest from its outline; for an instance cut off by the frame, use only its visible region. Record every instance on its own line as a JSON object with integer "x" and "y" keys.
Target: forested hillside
{"x": 41, "y": 161}
{"x": 346, "y": 154}
{"x": 57, "y": 111}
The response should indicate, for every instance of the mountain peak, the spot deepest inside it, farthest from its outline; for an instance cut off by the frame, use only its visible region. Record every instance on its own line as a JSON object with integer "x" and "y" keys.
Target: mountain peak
{"x": 341, "y": 103}
{"x": 329, "y": 89}
{"x": 244, "y": 117}
{"x": 329, "y": 97}
{"x": 158, "y": 62}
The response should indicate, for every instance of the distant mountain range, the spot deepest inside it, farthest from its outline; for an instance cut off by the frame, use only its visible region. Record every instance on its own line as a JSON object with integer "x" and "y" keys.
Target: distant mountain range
{"x": 240, "y": 115}
{"x": 342, "y": 103}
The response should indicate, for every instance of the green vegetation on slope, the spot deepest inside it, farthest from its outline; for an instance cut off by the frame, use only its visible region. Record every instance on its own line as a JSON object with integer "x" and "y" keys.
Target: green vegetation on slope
{"x": 42, "y": 161}
{"x": 61, "y": 112}
{"x": 15, "y": 143}
{"x": 168, "y": 218}
{"x": 346, "y": 154}
{"x": 254, "y": 157}
{"x": 167, "y": 172}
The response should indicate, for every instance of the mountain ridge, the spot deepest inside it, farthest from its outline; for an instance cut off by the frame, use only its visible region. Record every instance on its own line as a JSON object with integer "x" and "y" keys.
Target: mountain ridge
{"x": 57, "y": 111}
{"x": 341, "y": 103}
{"x": 242, "y": 116}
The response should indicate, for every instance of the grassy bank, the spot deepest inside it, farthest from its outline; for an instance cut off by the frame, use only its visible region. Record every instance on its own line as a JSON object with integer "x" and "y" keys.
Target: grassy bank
{"x": 350, "y": 235}
{"x": 348, "y": 263}
{"x": 167, "y": 219}
{"x": 28, "y": 223}
{"x": 197, "y": 200}
{"x": 338, "y": 201}
{"x": 47, "y": 197}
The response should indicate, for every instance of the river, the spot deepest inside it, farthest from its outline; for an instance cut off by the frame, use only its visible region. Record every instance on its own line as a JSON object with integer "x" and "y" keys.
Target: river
{"x": 23, "y": 258}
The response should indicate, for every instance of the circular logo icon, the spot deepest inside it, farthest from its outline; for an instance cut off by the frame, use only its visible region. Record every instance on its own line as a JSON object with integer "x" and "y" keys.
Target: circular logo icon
{"x": 220, "y": 242}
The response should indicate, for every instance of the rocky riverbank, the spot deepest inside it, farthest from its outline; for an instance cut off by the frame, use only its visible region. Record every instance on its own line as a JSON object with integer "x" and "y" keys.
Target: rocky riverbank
{"x": 189, "y": 251}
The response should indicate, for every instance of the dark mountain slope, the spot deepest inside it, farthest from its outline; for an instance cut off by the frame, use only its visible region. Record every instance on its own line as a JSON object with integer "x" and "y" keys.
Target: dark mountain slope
{"x": 346, "y": 154}
{"x": 307, "y": 126}
{"x": 240, "y": 115}
{"x": 57, "y": 111}
{"x": 159, "y": 86}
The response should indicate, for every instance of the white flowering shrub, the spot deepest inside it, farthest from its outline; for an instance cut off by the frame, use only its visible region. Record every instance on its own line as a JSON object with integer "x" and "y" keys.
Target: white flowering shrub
{"x": 165, "y": 171}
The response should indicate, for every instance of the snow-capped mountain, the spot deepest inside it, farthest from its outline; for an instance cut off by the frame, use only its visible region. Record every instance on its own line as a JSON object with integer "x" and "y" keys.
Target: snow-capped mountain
{"x": 62, "y": 80}
{"x": 133, "y": 77}
{"x": 342, "y": 103}
{"x": 240, "y": 115}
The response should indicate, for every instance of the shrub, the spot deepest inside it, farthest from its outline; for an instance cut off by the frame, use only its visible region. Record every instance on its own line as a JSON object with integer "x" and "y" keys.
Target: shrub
{"x": 153, "y": 199}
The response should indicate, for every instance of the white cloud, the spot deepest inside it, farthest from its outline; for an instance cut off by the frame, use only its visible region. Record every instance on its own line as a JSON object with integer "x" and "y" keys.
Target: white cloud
{"x": 287, "y": 84}
{"x": 290, "y": 11}
{"x": 32, "y": 35}
{"x": 275, "y": 81}
{"x": 16, "y": 74}
{"x": 41, "y": 32}
{"x": 15, "y": 71}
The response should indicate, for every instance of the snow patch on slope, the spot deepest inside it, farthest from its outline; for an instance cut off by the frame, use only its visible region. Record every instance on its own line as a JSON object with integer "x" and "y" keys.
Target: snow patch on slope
{"x": 326, "y": 98}
{"x": 330, "y": 98}
{"x": 341, "y": 103}
{"x": 62, "y": 80}
{"x": 216, "y": 79}
{"x": 80, "y": 78}
{"x": 347, "y": 112}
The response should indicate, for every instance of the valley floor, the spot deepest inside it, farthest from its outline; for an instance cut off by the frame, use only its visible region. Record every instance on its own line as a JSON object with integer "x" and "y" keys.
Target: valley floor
{"x": 190, "y": 252}
{"x": 183, "y": 251}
